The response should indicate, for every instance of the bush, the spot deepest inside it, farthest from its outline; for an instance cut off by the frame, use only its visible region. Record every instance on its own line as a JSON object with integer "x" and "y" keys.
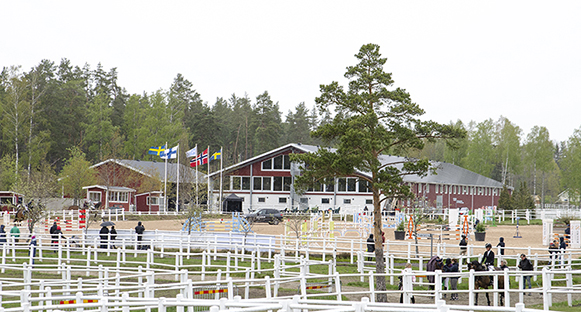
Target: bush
{"x": 480, "y": 227}
{"x": 400, "y": 226}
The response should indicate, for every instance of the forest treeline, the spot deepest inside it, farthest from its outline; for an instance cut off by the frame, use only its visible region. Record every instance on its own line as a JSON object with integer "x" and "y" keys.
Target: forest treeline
{"x": 51, "y": 108}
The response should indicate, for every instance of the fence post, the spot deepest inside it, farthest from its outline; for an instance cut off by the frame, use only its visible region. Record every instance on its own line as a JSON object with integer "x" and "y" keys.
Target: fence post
{"x": 438, "y": 285}
{"x": 471, "y": 287}
{"x": 371, "y": 286}
{"x": 546, "y": 289}
{"x": 569, "y": 277}
{"x": 337, "y": 287}
{"x": 506, "y": 288}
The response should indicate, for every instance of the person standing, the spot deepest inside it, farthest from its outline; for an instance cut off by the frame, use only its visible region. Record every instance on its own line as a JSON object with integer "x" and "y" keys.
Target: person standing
{"x": 501, "y": 244}
{"x": 15, "y": 232}
{"x": 526, "y": 265}
{"x": 53, "y": 237}
{"x": 553, "y": 249}
{"x": 370, "y": 246}
{"x": 32, "y": 247}
{"x": 113, "y": 236}
{"x": 562, "y": 248}
{"x": 463, "y": 244}
{"x": 104, "y": 235}
{"x": 454, "y": 279}
{"x": 488, "y": 257}
{"x": 139, "y": 229}
{"x": 53, "y": 228}
{"x": 2, "y": 234}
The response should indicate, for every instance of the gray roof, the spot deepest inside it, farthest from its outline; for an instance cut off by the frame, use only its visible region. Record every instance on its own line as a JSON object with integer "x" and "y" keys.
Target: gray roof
{"x": 157, "y": 169}
{"x": 446, "y": 173}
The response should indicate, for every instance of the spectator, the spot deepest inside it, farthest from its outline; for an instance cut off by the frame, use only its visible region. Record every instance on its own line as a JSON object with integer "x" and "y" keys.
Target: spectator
{"x": 568, "y": 230}
{"x": 139, "y": 229}
{"x": 501, "y": 245}
{"x": 526, "y": 265}
{"x": 32, "y": 245}
{"x": 104, "y": 235}
{"x": 562, "y": 248}
{"x": 454, "y": 280}
{"x": 370, "y": 245}
{"x": 408, "y": 269}
{"x": 382, "y": 237}
{"x": 463, "y": 244}
{"x": 2, "y": 234}
{"x": 503, "y": 265}
{"x": 52, "y": 228}
{"x": 15, "y": 232}
{"x": 446, "y": 269}
{"x": 553, "y": 249}
{"x": 113, "y": 236}
{"x": 58, "y": 234}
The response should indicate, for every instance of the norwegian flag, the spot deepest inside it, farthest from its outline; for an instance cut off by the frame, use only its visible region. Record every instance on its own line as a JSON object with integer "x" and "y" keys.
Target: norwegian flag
{"x": 201, "y": 159}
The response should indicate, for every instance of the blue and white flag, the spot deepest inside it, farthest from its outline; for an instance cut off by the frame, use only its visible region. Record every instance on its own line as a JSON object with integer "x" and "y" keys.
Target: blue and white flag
{"x": 171, "y": 153}
{"x": 192, "y": 153}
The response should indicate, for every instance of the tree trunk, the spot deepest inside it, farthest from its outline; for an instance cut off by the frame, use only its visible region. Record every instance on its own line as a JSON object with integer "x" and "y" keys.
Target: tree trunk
{"x": 379, "y": 260}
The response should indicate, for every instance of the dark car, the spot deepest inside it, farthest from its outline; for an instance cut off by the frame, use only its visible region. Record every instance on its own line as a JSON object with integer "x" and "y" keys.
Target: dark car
{"x": 272, "y": 216}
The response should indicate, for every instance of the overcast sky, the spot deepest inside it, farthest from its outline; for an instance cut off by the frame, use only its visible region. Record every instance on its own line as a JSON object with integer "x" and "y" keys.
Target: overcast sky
{"x": 467, "y": 60}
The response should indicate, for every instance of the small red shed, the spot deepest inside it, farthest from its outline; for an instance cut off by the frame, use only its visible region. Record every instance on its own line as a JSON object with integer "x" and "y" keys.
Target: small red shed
{"x": 8, "y": 198}
{"x": 112, "y": 196}
{"x": 149, "y": 201}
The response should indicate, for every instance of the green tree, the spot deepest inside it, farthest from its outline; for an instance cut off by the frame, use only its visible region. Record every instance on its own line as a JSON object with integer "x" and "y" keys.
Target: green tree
{"x": 505, "y": 200}
{"x": 522, "y": 197}
{"x": 77, "y": 173}
{"x": 370, "y": 121}
{"x": 100, "y": 129}
{"x": 267, "y": 124}
{"x": 508, "y": 148}
{"x": 539, "y": 155}
{"x": 480, "y": 154}
{"x": 298, "y": 126}
{"x": 8, "y": 176}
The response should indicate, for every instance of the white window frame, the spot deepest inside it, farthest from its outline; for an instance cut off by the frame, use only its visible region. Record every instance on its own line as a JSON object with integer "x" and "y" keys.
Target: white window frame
{"x": 91, "y": 197}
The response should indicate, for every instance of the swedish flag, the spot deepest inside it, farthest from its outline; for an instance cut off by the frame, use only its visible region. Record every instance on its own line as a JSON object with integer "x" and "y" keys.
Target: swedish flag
{"x": 217, "y": 155}
{"x": 156, "y": 150}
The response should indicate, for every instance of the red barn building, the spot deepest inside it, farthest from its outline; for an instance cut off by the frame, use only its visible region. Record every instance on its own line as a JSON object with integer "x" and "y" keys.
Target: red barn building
{"x": 267, "y": 181}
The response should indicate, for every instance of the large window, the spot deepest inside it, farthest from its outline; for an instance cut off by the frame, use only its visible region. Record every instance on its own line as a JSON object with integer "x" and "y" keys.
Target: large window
{"x": 240, "y": 183}
{"x": 281, "y": 183}
{"x": 153, "y": 200}
{"x": 119, "y": 197}
{"x": 280, "y": 162}
{"x": 262, "y": 184}
{"x": 95, "y": 196}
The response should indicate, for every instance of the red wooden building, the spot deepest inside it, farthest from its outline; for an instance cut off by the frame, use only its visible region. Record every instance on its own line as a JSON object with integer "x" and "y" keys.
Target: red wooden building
{"x": 112, "y": 196}
{"x": 266, "y": 181}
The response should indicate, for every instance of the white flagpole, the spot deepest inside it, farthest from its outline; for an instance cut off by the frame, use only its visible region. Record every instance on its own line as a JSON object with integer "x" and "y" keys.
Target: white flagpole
{"x": 197, "y": 182}
{"x": 178, "y": 187}
{"x": 221, "y": 160}
{"x": 208, "y": 201}
{"x": 165, "y": 183}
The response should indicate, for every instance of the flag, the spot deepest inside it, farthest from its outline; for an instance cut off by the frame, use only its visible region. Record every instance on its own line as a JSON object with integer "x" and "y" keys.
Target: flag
{"x": 156, "y": 150}
{"x": 192, "y": 153}
{"x": 201, "y": 159}
{"x": 169, "y": 153}
{"x": 217, "y": 155}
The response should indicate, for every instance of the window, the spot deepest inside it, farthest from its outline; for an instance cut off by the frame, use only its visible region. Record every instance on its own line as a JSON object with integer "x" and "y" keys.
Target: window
{"x": 282, "y": 200}
{"x": 261, "y": 200}
{"x": 287, "y": 181}
{"x": 346, "y": 201}
{"x": 152, "y": 200}
{"x": 267, "y": 164}
{"x": 325, "y": 200}
{"x": 280, "y": 162}
{"x": 257, "y": 183}
{"x": 304, "y": 200}
{"x": 363, "y": 186}
{"x": 277, "y": 184}
{"x": 246, "y": 183}
{"x": 342, "y": 185}
{"x": 93, "y": 196}
{"x": 119, "y": 197}
{"x": 266, "y": 182}
{"x": 236, "y": 183}
{"x": 351, "y": 185}
{"x": 369, "y": 201}
{"x": 330, "y": 188}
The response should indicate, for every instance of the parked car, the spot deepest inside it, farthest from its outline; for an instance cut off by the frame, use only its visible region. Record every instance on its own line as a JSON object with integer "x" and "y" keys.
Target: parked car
{"x": 272, "y": 216}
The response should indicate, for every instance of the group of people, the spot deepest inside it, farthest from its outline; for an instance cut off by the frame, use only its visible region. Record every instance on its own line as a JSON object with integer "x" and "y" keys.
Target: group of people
{"x": 14, "y": 232}
{"x": 108, "y": 237}
{"x": 56, "y": 234}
